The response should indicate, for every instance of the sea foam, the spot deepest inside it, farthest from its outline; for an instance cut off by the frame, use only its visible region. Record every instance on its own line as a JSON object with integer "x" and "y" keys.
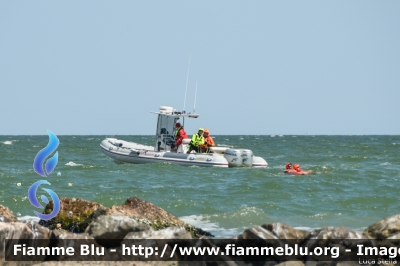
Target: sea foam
{"x": 72, "y": 164}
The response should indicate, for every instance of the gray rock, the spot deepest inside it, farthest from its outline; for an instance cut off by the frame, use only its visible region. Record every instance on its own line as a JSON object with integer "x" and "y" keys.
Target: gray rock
{"x": 114, "y": 227}
{"x": 17, "y": 231}
{"x": 6, "y": 215}
{"x": 284, "y": 231}
{"x": 256, "y": 232}
{"x": 322, "y": 238}
{"x": 291, "y": 263}
{"x": 175, "y": 232}
{"x": 384, "y": 228}
{"x": 335, "y": 233}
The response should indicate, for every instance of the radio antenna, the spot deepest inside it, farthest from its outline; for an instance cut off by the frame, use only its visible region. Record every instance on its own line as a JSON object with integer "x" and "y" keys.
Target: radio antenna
{"x": 187, "y": 79}
{"x": 195, "y": 94}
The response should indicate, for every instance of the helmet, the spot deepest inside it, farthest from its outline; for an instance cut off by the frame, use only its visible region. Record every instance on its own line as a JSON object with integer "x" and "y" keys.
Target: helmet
{"x": 177, "y": 124}
{"x": 201, "y": 129}
{"x": 296, "y": 166}
{"x": 206, "y": 131}
{"x": 289, "y": 166}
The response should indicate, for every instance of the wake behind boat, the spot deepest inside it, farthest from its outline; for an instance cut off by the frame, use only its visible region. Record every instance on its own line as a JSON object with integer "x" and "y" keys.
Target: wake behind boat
{"x": 131, "y": 152}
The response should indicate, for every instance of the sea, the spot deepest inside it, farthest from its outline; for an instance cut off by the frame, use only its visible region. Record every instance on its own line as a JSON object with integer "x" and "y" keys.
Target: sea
{"x": 355, "y": 181}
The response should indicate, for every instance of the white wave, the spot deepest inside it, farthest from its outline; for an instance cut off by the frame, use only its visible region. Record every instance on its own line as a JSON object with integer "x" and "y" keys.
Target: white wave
{"x": 319, "y": 215}
{"x": 157, "y": 186}
{"x": 28, "y": 218}
{"x": 72, "y": 164}
{"x": 8, "y": 142}
{"x": 202, "y": 222}
{"x": 309, "y": 229}
{"x": 229, "y": 224}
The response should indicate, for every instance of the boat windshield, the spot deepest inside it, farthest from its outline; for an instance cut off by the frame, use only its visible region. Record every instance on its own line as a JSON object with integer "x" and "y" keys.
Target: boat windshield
{"x": 165, "y": 134}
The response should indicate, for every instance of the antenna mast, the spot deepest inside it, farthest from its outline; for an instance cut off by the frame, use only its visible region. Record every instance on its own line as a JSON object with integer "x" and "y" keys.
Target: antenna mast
{"x": 187, "y": 79}
{"x": 195, "y": 94}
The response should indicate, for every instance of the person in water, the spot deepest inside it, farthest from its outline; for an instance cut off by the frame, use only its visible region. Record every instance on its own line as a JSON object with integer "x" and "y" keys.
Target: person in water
{"x": 208, "y": 141}
{"x": 179, "y": 135}
{"x": 296, "y": 167}
{"x": 295, "y": 170}
{"x": 289, "y": 169}
{"x": 197, "y": 141}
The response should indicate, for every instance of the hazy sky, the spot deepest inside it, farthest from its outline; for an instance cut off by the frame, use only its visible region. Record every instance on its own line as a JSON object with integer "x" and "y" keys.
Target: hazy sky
{"x": 262, "y": 67}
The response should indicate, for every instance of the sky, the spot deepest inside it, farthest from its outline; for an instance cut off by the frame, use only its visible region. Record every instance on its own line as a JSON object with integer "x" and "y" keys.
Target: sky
{"x": 261, "y": 67}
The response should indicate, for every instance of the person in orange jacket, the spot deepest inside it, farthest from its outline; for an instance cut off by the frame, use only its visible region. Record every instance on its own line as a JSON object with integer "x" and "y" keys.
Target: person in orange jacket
{"x": 180, "y": 134}
{"x": 208, "y": 141}
{"x": 295, "y": 170}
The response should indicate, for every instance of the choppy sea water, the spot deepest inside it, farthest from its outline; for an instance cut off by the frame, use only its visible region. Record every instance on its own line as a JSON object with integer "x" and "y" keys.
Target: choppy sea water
{"x": 356, "y": 181}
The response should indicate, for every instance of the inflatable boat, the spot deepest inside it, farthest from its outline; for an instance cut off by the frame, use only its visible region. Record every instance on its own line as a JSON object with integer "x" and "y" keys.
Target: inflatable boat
{"x": 131, "y": 152}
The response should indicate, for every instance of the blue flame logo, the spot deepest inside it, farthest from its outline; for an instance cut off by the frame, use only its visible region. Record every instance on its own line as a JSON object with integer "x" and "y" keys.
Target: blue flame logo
{"x": 44, "y": 153}
{"x": 50, "y": 164}
{"x": 32, "y": 198}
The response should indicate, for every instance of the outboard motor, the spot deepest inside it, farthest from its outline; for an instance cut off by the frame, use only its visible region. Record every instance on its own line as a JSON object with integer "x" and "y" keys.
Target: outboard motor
{"x": 247, "y": 156}
{"x": 234, "y": 157}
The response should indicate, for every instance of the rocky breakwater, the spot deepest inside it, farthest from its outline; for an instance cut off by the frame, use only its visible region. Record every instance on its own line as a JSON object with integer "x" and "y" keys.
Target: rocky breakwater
{"x": 106, "y": 230}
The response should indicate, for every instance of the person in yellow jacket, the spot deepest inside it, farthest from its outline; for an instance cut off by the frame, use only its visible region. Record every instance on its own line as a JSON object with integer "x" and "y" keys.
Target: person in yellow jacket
{"x": 197, "y": 141}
